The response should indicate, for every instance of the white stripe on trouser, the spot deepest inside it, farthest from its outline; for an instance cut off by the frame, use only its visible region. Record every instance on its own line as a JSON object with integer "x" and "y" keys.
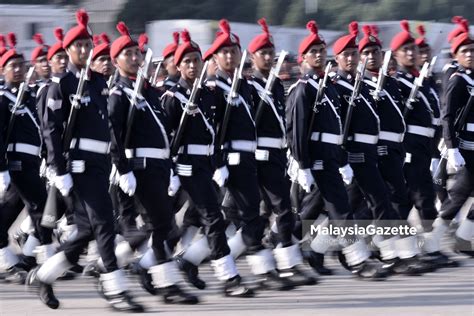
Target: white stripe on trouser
{"x": 387, "y": 248}
{"x": 356, "y": 253}
{"x": 465, "y": 230}
{"x": 197, "y": 251}
{"x": 164, "y": 275}
{"x": 261, "y": 262}
{"x": 113, "y": 283}
{"x": 53, "y": 268}
{"x": 148, "y": 259}
{"x": 288, "y": 257}
{"x": 237, "y": 245}
{"x": 224, "y": 268}
{"x": 30, "y": 245}
{"x": 432, "y": 240}
{"x": 407, "y": 247}
{"x": 7, "y": 259}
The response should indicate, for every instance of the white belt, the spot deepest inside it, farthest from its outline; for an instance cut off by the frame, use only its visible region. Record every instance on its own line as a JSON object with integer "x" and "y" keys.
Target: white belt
{"x": 271, "y": 142}
{"x": 470, "y": 127}
{"x": 466, "y": 145}
{"x": 194, "y": 149}
{"x": 145, "y": 152}
{"x": 92, "y": 145}
{"x": 436, "y": 121}
{"x": 420, "y": 130}
{"x": 365, "y": 138}
{"x": 390, "y": 136}
{"x": 329, "y": 138}
{"x": 24, "y": 148}
{"x": 242, "y": 145}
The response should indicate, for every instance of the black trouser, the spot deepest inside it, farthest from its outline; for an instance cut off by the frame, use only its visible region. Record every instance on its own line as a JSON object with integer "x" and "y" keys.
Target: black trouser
{"x": 311, "y": 206}
{"x": 243, "y": 186}
{"x": 202, "y": 191}
{"x": 93, "y": 215}
{"x": 418, "y": 176}
{"x": 275, "y": 192}
{"x": 10, "y": 207}
{"x": 390, "y": 164}
{"x": 461, "y": 190}
{"x": 363, "y": 160}
{"x": 24, "y": 172}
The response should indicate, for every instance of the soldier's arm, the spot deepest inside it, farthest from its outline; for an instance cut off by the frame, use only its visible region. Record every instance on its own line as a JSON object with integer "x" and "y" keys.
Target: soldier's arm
{"x": 4, "y": 119}
{"x": 451, "y": 110}
{"x": 303, "y": 103}
{"x": 173, "y": 110}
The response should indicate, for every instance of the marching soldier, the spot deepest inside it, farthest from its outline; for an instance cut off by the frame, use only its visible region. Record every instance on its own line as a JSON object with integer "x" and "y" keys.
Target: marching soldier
{"x": 172, "y": 73}
{"x": 83, "y": 173}
{"x": 101, "y": 61}
{"x": 40, "y": 60}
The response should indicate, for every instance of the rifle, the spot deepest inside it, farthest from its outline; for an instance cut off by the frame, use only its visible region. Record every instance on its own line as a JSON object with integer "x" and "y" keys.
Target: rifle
{"x": 191, "y": 106}
{"x": 50, "y": 214}
{"x": 432, "y": 64}
{"x": 383, "y": 72}
{"x": 157, "y": 72}
{"x": 319, "y": 97}
{"x": 441, "y": 174}
{"x": 417, "y": 84}
{"x": 269, "y": 85}
{"x": 113, "y": 78}
{"x": 18, "y": 102}
{"x": 137, "y": 95}
{"x": 355, "y": 94}
{"x": 233, "y": 94}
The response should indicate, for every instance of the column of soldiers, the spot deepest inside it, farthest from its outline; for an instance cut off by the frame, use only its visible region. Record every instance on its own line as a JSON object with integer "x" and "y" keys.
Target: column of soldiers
{"x": 118, "y": 154}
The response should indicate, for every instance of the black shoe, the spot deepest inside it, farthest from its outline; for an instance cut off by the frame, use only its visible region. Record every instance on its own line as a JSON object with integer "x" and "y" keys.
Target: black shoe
{"x": 26, "y": 263}
{"x": 20, "y": 237}
{"x": 77, "y": 268}
{"x": 175, "y": 295}
{"x": 234, "y": 288}
{"x": 298, "y": 277}
{"x": 124, "y": 302}
{"x": 316, "y": 261}
{"x": 367, "y": 271}
{"x": 441, "y": 260}
{"x": 15, "y": 275}
{"x": 273, "y": 281}
{"x": 463, "y": 246}
{"x": 146, "y": 281}
{"x": 67, "y": 275}
{"x": 409, "y": 266}
{"x": 44, "y": 291}
{"x": 92, "y": 269}
{"x": 191, "y": 273}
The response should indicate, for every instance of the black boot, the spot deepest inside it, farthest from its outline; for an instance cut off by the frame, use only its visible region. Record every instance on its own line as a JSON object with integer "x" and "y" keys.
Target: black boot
{"x": 408, "y": 266}
{"x": 175, "y": 295}
{"x": 124, "y": 302}
{"x": 272, "y": 281}
{"x": 367, "y": 271}
{"x": 26, "y": 263}
{"x": 234, "y": 288}
{"x": 15, "y": 275}
{"x": 191, "y": 272}
{"x": 298, "y": 277}
{"x": 44, "y": 290}
{"x": 146, "y": 281}
{"x": 92, "y": 269}
{"x": 464, "y": 247}
{"x": 441, "y": 260}
{"x": 316, "y": 261}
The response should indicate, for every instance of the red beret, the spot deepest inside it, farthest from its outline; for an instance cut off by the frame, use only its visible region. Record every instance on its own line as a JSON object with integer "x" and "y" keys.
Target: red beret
{"x": 370, "y": 37}
{"x": 102, "y": 46}
{"x": 171, "y": 48}
{"x": 80, "y": 31}
{"x": 12, "y": 52}
{"x": 122, "y": 42}
{"x": 41, "y": 49}
{"x": 263, "y": 40}
{"x": 188, "y": 46}
{"x": 347, "y": 41}
{"x": 461, "y": 39}
{"x": 460, "y": 22}
{"x": 58, "y": 46}
{"x": 3, "y": 48}
{"x": 142, "y": 41}
{"x": 421, "y": 41}
{"x": 224, "y": 38}
{"x": 403, "y": 37}
{"x": 312, "y": 39}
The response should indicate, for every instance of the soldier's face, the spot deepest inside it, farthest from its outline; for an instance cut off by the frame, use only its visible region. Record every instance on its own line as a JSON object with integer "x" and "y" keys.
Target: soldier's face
{"x": 406, "y": 55}
{"x": 228, "y": 58}
{"x": 170, "y": 66}
{"x": 465, "y": 56}
{"x": 42, "y": 67}
{"x": 129, "y": 61}
{"x": 59, "y": 62}
{"x": 373, "y": 54}
{"x": 348, "y": 60}
{"x": 263, "y": 59}
{"x": 79, "y": 51}
{"x": 190, "y": 66}
{"x": 424, "y": 55}
{"x": 315, "y": 57}
{"x": 103, "y": 65}
{"x": 14, "y": 70}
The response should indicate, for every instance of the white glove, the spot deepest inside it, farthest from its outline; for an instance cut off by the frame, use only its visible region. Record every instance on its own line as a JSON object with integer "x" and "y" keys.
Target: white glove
{"x": 220, "y": 176}
{"x": 434, "y": 165}
{"x": 305, "y": 179}
{"x": 174, "y": 184}
{"x": 63, "y": 184}
{"x": 128, "y": 183}
{"x": 455, "y": 158}
{"x": 347, "y": 174}
{"x": 43, "y": 168}
{"x": 4, "y": 181}
{"x": 114, "y": 176}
